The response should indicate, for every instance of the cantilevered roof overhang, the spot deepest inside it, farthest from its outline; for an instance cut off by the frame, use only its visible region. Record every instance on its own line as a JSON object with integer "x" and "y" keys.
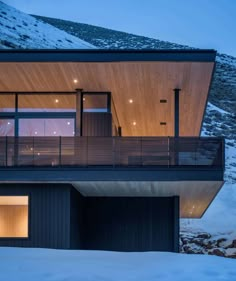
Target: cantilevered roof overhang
{"x": 145, "y": 76}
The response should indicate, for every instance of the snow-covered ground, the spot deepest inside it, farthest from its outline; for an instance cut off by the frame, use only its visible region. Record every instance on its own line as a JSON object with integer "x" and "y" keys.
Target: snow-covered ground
{"x": 19, "y": 30}
{"x": 44, "y": 264}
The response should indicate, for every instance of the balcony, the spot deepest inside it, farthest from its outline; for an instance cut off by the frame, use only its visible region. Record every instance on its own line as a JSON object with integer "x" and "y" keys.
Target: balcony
{"x": 112, "y": 152}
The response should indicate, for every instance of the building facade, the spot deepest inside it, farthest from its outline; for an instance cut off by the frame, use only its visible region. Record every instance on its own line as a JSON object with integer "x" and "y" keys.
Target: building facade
{"x": 101, "y": 149}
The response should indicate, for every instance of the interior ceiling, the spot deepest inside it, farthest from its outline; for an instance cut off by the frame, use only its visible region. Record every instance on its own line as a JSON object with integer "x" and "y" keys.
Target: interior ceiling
{"x": 146, "y": 83}
{"x": 13, "y": 200}
{"x": 195, "y": 196}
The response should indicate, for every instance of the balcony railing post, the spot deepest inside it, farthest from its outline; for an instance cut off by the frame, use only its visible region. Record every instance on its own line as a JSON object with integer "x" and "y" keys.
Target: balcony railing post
{"x": 87, "y": 151}
{"x": 113, "y": 151}
{"x": 33, "y": 151}
{"x": 168, "y": 148}
{"x": 6, "y": 147}
{"x": 59, "y": 150}
{"x": 141, "y": 151}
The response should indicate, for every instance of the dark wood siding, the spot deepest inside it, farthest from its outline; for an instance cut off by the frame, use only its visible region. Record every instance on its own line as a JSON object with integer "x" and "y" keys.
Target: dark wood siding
{"x": 76, "y": 219}
{"x": 48, "y": 215}
{"x": 97, "y": 124}
{"x": 60, "y": 217}
{"x": 131, "y": 224}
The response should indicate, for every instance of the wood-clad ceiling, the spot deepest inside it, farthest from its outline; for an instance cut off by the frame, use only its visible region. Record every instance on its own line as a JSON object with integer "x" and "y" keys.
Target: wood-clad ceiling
{"x": 195, "y": 196}
{"x": 146, "y": 83}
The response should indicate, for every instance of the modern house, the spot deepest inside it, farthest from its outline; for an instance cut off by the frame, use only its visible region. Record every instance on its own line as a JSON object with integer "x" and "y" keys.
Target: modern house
{"x": 101, "y": 149}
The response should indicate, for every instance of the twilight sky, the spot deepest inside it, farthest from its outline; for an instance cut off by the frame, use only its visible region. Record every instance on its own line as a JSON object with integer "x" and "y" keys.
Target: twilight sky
{"x": 197, "y": 23}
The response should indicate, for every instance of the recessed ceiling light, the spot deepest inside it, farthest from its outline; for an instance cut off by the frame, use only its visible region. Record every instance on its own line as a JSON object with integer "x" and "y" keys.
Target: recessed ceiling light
{"x": 75, "y": 81}
{"x": 56, "y": 101}
{"x": 68, "y": 123}
{"x": 130, "y": 101}
{"x": 134, "y": 123}
{"x": 84, "y": 99}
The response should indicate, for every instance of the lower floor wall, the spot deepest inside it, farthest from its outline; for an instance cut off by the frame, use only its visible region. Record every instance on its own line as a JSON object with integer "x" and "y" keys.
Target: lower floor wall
{"x": 60, "y": 217}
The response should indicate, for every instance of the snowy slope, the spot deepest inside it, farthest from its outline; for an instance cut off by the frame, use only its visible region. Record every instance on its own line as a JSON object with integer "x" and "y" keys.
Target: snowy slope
{"x": 44, "y": 264}
{"x": 19, "y": 30}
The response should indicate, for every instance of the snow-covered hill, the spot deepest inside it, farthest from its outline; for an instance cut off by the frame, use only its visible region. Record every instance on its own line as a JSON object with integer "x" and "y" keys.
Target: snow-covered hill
{"x": 44, "y": 265}
{"x": 19, "y": 30}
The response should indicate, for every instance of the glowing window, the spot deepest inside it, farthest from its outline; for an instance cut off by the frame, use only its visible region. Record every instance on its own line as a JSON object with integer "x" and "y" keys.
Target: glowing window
{"x": 14, "y": 216}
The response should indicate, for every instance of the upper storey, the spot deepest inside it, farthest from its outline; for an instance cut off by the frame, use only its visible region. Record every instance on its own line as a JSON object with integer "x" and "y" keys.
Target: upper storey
{"x": 147, "y": 77}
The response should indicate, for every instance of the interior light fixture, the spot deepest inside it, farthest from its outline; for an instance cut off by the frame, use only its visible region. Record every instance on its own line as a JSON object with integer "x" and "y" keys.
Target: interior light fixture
{"x": 84, "y": 99}
{"x": 75, "y": 81}
{"x": 130, "y": 101}
{"x": 56, "y": 101}
{"x": 38, "y": 153}
{"x": 68, "y": 123}
{"x": 134, "y": 123}
{"x": 8, "y": 123}
{"x": 54, "y": 133}
{"x": 35, "y": 132}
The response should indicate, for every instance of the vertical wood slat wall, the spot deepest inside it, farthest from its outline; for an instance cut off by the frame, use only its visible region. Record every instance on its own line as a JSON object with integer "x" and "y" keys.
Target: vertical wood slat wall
{"x": 131, "y": 223}
{"x": 49, "y": 215}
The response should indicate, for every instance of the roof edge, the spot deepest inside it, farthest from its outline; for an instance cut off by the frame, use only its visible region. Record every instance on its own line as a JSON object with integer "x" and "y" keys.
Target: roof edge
{"x": 106, "y": 55}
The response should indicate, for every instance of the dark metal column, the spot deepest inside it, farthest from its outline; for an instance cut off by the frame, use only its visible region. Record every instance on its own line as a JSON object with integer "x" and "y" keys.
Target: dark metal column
{"x": 176, "y": 121}
{"x": 176, "y": 124}
{"x": 78, "y": 121}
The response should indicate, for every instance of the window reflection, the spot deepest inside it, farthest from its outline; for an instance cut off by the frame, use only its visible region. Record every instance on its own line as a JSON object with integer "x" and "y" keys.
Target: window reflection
{"x": 46, "y": 127}
{"x": 7, "y": 127}
{"x": 95, "y": 103}
{"x": 46, "y": 103}
{"x": 7, "y": 103}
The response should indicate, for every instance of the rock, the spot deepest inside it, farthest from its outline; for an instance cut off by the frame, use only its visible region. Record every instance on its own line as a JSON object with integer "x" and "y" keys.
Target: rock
{"x": 230, "y": 253}
{"x": 219, "y": 242}
{"x": 233, "y": 244}
{"x": 204, "y": 235}
{"x": 217, "y": 252}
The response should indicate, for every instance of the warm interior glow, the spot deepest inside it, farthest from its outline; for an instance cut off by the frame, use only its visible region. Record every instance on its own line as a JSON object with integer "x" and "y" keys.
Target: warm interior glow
{"x": 14, "y": 216}
{"x": 134, "y": 123}
{"x": 75, "y": 81}
{"x": 130, "y": 101}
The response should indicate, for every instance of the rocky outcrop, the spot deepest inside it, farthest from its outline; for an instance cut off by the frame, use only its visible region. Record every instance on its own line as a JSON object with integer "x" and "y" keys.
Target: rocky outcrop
{"x": 205, "y": 243}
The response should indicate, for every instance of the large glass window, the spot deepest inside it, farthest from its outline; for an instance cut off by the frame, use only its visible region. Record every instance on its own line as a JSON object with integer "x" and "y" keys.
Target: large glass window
{"x": 95, "y": 102}
{"x": 14, "y": 216}
{"x": 46, "y": 103}
{"x": 46, "y": 127}
{"x": 7, "y": 127}
{"x": 7, "y": 103}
